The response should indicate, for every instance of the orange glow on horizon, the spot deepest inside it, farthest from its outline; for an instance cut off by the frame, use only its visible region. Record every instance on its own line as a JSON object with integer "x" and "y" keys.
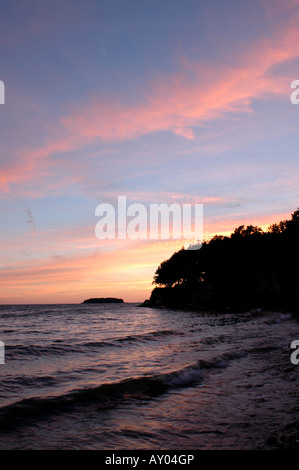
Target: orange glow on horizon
{"x": 126, "y": 272}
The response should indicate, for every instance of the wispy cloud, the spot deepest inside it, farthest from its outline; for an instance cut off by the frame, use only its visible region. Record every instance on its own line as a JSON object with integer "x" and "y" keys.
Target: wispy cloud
{"x": 30, "y": 219}
{"x": 177, "y": 103}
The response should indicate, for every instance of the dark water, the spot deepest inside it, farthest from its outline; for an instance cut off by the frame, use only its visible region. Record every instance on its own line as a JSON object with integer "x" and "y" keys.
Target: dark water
{"x": 117, "y": 376}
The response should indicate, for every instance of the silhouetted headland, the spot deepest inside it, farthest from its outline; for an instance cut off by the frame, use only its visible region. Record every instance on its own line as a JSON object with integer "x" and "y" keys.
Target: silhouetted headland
{"x": 103, "y": 300}
{"x": 248, "y": 269}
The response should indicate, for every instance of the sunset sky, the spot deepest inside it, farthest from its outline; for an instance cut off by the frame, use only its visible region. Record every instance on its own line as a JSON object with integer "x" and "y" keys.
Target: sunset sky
{"x": 160, "y": 101}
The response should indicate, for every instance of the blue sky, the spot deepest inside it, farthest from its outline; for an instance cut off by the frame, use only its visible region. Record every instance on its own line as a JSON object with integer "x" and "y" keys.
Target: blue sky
{"x": 168, "y": 101}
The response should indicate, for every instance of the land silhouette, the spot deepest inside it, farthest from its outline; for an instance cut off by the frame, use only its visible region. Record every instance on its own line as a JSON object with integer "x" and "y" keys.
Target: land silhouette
{"x": 251, "y": 268}
{"x": 103, "y": 300}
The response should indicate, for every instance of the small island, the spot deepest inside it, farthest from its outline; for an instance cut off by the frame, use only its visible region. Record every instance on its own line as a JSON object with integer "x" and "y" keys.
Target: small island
{"x": 103, "y": 300}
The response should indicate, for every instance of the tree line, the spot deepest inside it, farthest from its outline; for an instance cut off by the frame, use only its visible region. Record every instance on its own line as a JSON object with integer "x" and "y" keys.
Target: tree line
{"x": 251, "y": 267}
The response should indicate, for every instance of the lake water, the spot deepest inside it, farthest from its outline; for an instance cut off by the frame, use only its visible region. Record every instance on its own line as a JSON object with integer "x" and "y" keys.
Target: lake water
{"x": 120, "y": 376}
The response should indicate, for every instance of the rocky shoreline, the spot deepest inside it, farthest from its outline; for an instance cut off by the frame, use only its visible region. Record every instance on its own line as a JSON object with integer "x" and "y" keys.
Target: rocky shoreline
{"x": 184, "y": 299}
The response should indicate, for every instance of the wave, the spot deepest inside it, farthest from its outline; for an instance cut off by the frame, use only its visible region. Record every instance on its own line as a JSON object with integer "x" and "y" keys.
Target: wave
{"x": 110, "y": 395}
{"x": 55, "y": 349}
{"x": 152, "y": 335}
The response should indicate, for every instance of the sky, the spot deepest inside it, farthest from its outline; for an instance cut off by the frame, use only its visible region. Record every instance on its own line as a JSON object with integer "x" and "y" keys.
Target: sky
{"x": 161, "y": 101}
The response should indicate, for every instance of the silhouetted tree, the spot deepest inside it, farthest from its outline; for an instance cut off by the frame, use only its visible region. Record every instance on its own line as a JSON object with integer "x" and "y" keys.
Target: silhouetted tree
{"x": 248, "y": 267}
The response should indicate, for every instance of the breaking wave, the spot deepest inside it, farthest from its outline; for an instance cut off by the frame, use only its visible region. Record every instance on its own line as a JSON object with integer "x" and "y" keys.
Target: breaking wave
{"x": 110, "y": 395}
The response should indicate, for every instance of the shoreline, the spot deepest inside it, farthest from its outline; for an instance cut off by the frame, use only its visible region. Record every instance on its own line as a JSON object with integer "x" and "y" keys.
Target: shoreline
{"x": 161, "y": 298}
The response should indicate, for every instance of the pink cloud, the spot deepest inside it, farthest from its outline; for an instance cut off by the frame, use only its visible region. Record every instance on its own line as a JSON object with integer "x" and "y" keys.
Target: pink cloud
{"x": 176, "y": 103}
{"x": 184, "y": 132}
